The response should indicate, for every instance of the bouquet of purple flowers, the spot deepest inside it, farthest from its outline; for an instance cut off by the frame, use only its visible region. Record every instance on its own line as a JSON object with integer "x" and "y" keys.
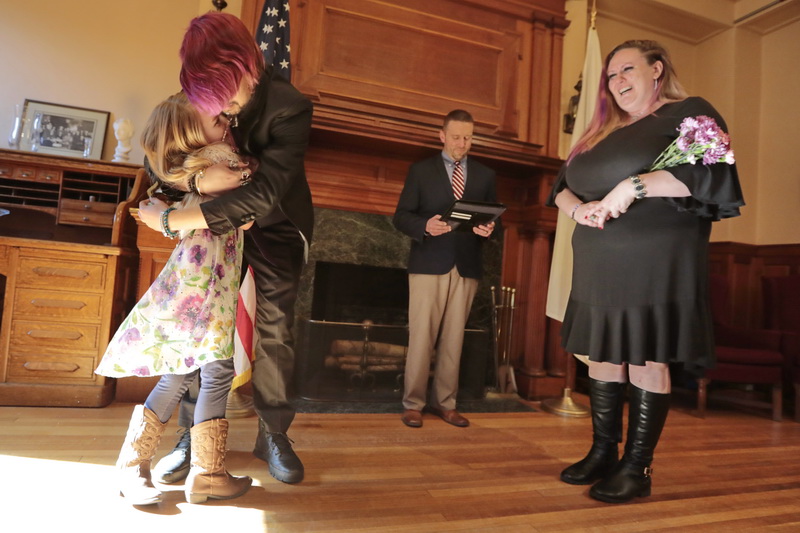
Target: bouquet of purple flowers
{"x": 700, "y": 138}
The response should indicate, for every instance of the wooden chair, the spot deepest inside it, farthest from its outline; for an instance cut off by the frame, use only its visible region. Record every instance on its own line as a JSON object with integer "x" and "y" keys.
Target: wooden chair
{"x": 747, "y": 356}
{"x": 782, "y": 312}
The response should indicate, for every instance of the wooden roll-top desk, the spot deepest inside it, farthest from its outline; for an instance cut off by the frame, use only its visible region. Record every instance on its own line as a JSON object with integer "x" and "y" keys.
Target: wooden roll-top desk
{"x": 68, "y": 263}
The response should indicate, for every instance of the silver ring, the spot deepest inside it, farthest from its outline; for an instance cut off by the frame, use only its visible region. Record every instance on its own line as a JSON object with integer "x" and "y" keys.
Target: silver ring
{"x": 593, "y": 218}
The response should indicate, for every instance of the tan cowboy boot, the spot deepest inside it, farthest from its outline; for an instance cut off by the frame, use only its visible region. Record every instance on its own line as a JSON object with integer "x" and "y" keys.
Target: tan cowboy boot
{"x": 141, "y": 441}
{"x": 207, "y": 475}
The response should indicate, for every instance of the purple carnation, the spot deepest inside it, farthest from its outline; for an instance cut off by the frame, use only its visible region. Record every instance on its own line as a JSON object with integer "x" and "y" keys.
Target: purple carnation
{"x": 688, "y": 126}
{"x": 700, "y": 139}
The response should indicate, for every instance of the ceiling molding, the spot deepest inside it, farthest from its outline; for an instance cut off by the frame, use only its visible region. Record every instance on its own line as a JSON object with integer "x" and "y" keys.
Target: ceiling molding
{"x": 773, "y": 16}
{"x": 661, "y": 18}
{"x": 676, "y": 18}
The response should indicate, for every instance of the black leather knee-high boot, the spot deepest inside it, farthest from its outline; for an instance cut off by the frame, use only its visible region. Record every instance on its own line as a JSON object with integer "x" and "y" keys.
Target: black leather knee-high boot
{"x": 631, "y": 477}
{"x": 607, "y": 399}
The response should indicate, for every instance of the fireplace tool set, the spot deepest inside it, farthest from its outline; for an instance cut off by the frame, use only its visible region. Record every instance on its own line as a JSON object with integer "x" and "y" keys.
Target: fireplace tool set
{"x": 502, "y": 321}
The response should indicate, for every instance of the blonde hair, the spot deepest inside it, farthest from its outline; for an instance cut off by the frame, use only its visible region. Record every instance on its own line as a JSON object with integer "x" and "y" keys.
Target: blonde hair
{"x": 172, "y": 139}
{"x": 608, "y": 116}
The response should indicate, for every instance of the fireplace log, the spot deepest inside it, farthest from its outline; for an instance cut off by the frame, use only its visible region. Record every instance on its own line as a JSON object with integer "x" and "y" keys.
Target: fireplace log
{"x": 371, "y": 368}
{"x": 345, "y": 347}
{"x": 333, "y": 361}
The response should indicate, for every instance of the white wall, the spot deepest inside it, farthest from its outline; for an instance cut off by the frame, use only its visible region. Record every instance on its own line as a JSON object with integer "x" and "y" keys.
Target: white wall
{"x": 110, "y": 55}
{"x": 778, "y": 183}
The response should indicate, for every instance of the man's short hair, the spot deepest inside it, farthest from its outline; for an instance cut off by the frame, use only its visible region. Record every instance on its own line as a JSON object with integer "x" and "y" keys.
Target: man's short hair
{"x": 457, "y": 115}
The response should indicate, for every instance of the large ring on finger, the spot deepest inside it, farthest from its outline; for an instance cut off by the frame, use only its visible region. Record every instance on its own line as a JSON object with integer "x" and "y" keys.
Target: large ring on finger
{"x": 245, "y": 177}
{"x": 593, "y": 218}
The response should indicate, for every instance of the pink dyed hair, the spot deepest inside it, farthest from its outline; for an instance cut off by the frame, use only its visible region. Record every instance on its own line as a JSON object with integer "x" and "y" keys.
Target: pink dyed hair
{"x": 217, "y": 53}
{"x": 607, "y": 114}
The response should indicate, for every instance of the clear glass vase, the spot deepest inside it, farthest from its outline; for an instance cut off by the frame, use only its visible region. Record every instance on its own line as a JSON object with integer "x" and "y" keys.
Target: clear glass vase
{"x": 36, "y": 132}
{"x": 17, "y": 126}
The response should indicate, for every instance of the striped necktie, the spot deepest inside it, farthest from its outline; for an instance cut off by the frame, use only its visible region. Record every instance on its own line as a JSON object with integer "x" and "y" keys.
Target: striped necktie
{"x": 458, "y": 180}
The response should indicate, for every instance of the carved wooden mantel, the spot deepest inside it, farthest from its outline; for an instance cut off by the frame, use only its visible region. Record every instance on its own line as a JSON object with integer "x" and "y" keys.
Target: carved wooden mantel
{"x": 382, "y": 75}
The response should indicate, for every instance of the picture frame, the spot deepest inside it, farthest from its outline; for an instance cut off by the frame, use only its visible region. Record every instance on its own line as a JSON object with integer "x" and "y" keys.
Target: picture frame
{"x": 65, "y": 130}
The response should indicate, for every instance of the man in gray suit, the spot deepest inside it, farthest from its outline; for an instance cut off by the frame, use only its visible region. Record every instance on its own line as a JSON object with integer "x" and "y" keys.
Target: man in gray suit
{"x": 443, "y": 268}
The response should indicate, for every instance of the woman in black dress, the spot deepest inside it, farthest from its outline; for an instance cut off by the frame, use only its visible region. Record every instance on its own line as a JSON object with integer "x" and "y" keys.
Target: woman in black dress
{"x": 639, "y": 288}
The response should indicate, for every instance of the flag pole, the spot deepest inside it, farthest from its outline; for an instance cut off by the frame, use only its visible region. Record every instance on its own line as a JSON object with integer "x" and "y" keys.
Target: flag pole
{"x": 565, "y": 405}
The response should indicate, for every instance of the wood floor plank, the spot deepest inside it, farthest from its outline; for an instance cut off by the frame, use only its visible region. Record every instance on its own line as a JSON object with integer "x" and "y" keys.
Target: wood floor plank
{"x": 368, "y": 472}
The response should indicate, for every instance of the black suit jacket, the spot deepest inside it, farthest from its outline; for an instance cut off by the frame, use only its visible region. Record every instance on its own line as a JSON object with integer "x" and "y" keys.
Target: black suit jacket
{"x": 274, "y": 128}
{"x": 428, "y": 192}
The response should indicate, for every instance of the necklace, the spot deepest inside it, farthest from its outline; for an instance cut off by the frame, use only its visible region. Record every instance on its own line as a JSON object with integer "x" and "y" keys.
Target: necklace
{"x": 649, "y": 109}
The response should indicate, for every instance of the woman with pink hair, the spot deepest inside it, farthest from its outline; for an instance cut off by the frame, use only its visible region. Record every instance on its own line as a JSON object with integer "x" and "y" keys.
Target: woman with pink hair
{"x": 639, "y": 298}
{"x": 225, "y": 78}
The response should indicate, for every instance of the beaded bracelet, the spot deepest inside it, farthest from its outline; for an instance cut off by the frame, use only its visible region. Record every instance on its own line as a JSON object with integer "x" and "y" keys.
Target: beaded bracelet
{"x": 574, "y": 209}
{"x": 639, "y": 188}
{"x": 165, "y": 224}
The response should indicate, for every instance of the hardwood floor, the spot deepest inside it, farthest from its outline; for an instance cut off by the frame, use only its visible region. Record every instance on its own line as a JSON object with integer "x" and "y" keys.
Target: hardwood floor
{"x": 368, "y": 472}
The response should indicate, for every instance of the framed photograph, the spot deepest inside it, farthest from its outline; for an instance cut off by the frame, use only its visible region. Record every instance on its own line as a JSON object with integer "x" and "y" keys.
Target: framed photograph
{"x": 65, "y": 130}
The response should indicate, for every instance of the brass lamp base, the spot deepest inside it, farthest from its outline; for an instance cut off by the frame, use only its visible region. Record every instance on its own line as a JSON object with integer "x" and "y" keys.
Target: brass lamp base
{"x": 565, "y": 406}
{"x": 239, "y": 405}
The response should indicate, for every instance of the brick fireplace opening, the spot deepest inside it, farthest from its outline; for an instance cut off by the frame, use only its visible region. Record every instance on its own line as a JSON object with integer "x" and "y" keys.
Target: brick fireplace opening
{"x": 352, "y": 321}
{"x": 355, "y": 293}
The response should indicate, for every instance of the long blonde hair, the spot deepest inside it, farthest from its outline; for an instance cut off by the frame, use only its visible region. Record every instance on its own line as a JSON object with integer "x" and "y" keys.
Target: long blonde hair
{"x": 608, "y": 116}
{"x": 172, "y": 139}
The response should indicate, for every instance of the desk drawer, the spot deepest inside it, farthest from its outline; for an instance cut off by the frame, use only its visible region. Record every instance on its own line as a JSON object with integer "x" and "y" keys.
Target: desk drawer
{"x": 47, "y": 175}
{"x": 80, "y": 212}
{"x": 43, "y": 368}
{"x": 48, "y": 273}
{"x": 43, "y": 305}
{"x": 24, "y": 173}
{"x": 31, "y": 334}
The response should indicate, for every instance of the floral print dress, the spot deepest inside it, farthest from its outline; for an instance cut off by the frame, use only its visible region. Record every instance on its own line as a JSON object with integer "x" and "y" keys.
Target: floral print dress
{"x": 187, "y": 317}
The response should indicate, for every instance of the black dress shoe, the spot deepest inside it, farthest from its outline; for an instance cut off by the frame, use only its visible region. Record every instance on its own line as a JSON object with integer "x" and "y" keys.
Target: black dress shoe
{"x": 276, "y": 450}
{"x": 174, "y": 467}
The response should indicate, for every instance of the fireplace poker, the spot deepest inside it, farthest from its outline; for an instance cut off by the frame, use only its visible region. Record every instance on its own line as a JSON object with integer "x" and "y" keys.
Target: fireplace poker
{"x": 511, "y": 380}
{"x": 495, "y": 340}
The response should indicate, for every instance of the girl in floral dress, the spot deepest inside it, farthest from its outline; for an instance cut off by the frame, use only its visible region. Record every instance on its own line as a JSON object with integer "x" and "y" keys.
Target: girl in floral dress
{"x": 183, "y": 327}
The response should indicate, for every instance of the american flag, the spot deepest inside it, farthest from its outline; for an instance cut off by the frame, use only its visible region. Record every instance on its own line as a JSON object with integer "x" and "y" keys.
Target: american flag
{"x": 272, "y": 35}
{"x": 244, "y": 335}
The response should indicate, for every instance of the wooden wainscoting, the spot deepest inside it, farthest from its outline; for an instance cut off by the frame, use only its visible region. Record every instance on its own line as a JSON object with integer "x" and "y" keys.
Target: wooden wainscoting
{"x": 744, "y": 265}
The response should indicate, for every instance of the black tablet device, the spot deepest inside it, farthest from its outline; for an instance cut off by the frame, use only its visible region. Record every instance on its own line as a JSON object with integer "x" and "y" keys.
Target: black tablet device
{"x": 464, "y": 214}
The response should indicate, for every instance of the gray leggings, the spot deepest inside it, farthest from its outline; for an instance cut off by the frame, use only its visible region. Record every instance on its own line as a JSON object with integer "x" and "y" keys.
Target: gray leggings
{"x": 215, "y": 384}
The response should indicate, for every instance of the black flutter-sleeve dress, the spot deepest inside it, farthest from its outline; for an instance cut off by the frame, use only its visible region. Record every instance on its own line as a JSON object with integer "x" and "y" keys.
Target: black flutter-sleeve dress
{"x": 640, "y": 285}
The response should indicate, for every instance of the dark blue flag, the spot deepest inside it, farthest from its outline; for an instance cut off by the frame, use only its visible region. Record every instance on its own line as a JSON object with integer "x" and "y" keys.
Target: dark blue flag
{"x": 272, "y": 35}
